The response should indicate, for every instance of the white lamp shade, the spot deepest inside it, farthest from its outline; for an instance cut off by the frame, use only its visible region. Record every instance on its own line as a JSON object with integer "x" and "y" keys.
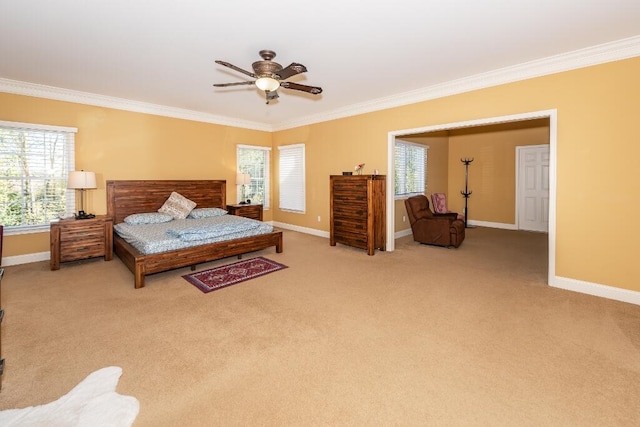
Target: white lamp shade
{"x": 267, "y": 83}
{"x": 243, "y": 179}
{"x": 81, "y": 179}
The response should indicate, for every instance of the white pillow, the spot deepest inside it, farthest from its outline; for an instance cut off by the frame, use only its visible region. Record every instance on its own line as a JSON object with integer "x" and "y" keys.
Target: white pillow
{"x": 198, "y": 213}
{"x": 177, "y": 206}
{"x": 148, "y": 218}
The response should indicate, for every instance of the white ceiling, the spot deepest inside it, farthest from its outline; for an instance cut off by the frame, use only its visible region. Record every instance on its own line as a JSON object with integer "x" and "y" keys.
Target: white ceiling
{"x": 160, "y": 53}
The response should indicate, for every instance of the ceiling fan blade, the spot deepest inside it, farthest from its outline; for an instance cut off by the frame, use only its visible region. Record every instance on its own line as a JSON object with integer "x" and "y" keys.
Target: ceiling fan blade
{"x": 238, "y": 69}
{"x": 233, "y": 84}
{"x": 291, "y": 70}
{"x": 304, "y": 88}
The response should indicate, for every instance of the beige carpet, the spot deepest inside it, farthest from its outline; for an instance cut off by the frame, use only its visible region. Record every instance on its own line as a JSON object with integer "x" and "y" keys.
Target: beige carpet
{"x": 420, "y": 336}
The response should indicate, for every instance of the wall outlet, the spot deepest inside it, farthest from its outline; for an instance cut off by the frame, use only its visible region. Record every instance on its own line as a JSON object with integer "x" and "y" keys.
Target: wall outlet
{"x": 318, "y": 218}
{"x": 404, "y": 218}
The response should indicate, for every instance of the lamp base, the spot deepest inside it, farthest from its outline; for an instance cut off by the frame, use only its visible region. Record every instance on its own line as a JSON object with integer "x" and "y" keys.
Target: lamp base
{"x": 83, "y": 215}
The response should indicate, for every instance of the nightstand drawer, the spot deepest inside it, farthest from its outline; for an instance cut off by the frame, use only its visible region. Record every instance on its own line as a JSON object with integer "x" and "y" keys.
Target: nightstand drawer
{"x": 81, "y": 251}
{"x": 85, "y": 232}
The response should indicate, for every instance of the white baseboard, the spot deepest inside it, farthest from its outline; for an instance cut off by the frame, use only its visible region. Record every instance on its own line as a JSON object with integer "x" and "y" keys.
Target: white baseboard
{"x": 492, "y": 225}
{"x": 25, "y": 259}
{"x": 402, "y": 233}
{"x": 595, "y": 289}
{"x": 305, "y": 230}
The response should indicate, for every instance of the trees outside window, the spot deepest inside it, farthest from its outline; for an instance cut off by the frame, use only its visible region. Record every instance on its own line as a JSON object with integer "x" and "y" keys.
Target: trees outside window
{"x": 35, "y": 161}
{"x": 254, "y": 160}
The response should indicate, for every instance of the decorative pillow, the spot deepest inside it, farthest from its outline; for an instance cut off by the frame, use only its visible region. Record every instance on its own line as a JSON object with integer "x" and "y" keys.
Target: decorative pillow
{"x": 148, "y": 218}
{"x": 177, "y": 206}
{"x": 198, "y": 213}
{"x": 439, "y": 201}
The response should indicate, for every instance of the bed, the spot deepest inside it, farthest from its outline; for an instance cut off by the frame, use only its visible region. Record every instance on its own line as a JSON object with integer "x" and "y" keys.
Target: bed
{"x": 129, "y": 197}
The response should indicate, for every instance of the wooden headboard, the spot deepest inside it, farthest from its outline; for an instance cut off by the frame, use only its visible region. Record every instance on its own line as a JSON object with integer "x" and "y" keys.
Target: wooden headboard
{"x": 128, "y": 197}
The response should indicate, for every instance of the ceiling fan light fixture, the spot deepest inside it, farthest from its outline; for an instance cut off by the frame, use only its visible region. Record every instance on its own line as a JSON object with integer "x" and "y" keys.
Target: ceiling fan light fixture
{"x": 267, "y": 84}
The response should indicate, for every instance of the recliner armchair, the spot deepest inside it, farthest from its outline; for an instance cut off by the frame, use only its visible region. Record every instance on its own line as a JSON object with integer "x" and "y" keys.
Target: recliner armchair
{"x": 433, "y": 229}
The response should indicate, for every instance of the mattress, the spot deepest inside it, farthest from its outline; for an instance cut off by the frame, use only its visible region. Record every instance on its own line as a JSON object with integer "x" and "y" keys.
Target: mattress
{"x": 157, "y": 238}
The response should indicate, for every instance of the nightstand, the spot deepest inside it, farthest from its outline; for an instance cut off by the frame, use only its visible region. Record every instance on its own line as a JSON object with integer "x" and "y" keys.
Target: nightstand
{"x": 75, "y": 239}
{"x": 248, "y": 211}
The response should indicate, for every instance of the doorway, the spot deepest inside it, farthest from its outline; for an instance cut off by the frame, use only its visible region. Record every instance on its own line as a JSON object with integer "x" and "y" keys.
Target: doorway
{"x": 551, "y": 115}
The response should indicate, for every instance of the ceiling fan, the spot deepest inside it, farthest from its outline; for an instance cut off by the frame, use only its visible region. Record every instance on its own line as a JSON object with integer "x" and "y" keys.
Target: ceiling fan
{"x": 269, "y": 76}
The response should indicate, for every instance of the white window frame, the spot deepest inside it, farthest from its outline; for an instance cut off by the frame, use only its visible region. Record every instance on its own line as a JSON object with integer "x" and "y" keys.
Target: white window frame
{"x": 292, "y": 178}
{"x": 401, "y": 175}
{"x": 60, "y": 174}
{"x": 256, "y": 181}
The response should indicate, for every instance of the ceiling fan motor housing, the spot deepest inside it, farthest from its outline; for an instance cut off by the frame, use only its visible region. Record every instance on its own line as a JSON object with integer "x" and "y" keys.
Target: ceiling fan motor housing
{"x": 266, "y": 68}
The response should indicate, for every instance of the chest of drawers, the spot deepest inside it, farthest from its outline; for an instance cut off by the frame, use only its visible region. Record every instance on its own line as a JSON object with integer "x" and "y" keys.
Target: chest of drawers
{"x": 357, "y": 208}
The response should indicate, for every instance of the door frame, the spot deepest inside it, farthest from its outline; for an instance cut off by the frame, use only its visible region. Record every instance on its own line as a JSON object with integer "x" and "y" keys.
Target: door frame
{"x": 552, "y": 115}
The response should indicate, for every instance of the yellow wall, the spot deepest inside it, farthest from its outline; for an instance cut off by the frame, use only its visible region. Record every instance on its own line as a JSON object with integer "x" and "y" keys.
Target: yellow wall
{"x": 597, "y": 143}
{"x": 597, "y": 147}
{"x": 124, "y": 145}
{"x": 492, "y": 174}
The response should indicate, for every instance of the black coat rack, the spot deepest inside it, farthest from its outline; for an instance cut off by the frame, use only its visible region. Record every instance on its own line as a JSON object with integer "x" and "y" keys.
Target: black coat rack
{"x": 466, "y": 193}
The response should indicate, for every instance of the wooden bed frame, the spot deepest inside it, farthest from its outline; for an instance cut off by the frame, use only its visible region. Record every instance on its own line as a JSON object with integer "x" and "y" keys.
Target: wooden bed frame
{"x": 128, "y": 197}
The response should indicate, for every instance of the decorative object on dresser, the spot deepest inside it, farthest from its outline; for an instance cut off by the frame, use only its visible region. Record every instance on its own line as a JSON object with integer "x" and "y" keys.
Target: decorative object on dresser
{"x": 81, "y": 180}
{"x": 358, "y": 211}
{"x": 230, "y": 274}
{"x": 243, "y": 179}
{"x": 73, "y": 239}
{"x": 246, "y": 210}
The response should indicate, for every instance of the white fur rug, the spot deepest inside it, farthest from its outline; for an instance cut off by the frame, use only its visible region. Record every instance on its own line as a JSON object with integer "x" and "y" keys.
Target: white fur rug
{"x": 92, "y": 403}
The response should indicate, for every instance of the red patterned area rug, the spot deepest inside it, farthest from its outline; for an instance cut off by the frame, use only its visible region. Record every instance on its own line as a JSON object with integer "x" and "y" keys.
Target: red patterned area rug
{"x": 230, "y": 274}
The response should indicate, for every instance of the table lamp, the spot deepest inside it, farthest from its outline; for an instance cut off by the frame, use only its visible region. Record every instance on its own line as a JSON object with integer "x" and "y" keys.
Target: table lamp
{"x": 81, "y": 180}
{"x": 243, "y": 179}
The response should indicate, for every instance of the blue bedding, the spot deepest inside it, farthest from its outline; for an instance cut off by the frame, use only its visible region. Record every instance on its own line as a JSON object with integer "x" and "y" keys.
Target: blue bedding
{"x": 223, "y": 227}
{"x": 184, "y": 233}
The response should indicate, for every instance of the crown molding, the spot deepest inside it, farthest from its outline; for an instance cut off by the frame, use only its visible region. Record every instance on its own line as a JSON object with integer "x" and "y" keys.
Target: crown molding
{"x": 599, "y": 54}
{"x": 59, "y": 94}
{"x": 595, "y": 55}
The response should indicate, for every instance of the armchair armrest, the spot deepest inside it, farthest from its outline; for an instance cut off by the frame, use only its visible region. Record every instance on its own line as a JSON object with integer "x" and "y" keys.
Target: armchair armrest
{"x": 451, "y": 215}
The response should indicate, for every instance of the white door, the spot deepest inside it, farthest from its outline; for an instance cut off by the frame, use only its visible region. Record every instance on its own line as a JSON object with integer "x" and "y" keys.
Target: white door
{"x": 533, "y": 188}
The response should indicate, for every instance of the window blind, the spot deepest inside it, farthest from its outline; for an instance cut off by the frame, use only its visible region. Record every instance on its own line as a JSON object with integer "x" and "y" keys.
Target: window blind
{"x": 410, "y": 164}
{"x": 292, "y": 178}
{"x": 35, "y": 161}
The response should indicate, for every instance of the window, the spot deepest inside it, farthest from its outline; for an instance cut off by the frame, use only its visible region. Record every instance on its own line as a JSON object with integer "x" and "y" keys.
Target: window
{"x": 254, "y": 160}
{"x": 35, "y": 161}
{"x": 410, "y": 169}
{"x": 292, "y": 183}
